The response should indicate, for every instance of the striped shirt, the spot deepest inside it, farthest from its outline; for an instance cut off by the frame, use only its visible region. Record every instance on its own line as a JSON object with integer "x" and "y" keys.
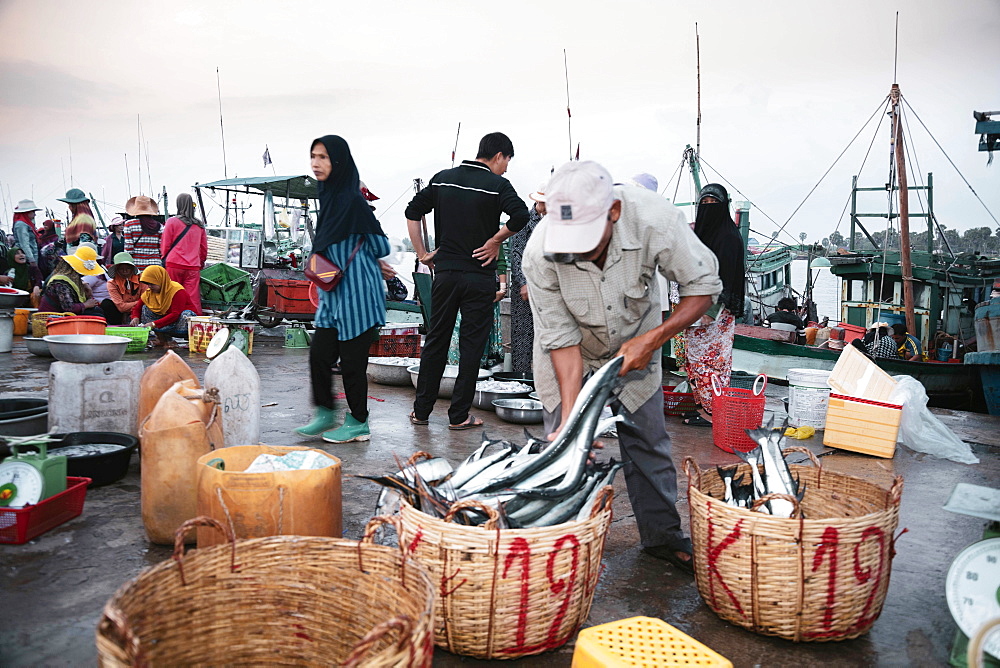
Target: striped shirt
{"x": 145, "y": 248}
{"x": 600, "y": 309}
{"x": 358, "y": 303}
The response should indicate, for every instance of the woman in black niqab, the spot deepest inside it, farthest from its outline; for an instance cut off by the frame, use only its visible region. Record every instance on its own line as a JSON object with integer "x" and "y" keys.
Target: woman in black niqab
{"x": 343, "y": 210}
{"x": 715, "y": 228}
{"x": 709, "y": 342}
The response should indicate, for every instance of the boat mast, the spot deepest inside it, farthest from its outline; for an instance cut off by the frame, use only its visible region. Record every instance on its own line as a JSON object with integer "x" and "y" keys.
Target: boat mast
{"x": 691, "y": 155}
{"x": 906, "y": 268}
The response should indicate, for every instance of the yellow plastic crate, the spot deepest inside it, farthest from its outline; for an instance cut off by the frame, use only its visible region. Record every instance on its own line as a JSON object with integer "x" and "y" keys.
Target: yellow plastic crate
{"x": 859, "y": 425}
{"x": 641, "y": 641}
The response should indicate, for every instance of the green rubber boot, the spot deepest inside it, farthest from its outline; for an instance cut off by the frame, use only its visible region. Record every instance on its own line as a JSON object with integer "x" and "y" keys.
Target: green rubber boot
{"x": 351, "y": 430}
{"x": 322, "y": 420}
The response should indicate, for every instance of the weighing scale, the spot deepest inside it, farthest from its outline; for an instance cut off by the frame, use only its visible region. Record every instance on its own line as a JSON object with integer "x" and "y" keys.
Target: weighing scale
{"x": 26, "y": 479}
{"x": 972, "y": 586}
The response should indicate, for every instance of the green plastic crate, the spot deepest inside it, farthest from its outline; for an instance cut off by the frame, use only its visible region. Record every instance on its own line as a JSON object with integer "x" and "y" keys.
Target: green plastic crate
{"x": 225, "y": 283}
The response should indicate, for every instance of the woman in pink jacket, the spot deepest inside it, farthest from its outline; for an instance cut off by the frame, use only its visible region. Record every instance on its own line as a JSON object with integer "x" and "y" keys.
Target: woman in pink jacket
{"x": 183, "y": 249}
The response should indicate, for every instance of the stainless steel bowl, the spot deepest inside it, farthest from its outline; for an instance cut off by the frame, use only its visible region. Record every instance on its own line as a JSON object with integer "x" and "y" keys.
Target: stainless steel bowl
{"x": 87, "y": 348}
{"x": 533, "y": 395}
{"x": 388, "y": 374}
{"x": 525, "y": 377}
{"x": 25, "y": 416}
{"x": 447, "y": 380}
{"x": 37, "y": 346}
{"x": 13, "y": 298}
{"x": 483, "y": 400}
{"x": 519, "y": 411}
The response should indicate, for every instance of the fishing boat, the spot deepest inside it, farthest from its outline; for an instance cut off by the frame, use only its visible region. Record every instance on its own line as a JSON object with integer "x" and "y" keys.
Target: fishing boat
{"x": 272, "y": 250}
{"x": 933, "y": 292}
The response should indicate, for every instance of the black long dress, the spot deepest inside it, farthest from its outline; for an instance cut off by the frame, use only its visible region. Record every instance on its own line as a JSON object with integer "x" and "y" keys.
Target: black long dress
{"x": 522, "y": 335}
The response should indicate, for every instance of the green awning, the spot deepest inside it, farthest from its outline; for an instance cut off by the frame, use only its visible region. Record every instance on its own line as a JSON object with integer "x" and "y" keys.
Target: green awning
{"x": 293, "y": 187}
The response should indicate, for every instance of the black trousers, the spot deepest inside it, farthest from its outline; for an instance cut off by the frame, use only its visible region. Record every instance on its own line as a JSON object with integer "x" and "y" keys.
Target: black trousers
{"x": 472, "y": 294}
{"x": 325, "y": 351}
{"x": 111, "y": 313}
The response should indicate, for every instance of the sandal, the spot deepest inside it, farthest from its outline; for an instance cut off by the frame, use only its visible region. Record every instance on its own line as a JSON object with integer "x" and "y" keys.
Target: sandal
{"x": 696, "y": 421}
{"x": 417, "y": 421}
{"x": 470, "y": 423}
{"x": 669, "y": 554}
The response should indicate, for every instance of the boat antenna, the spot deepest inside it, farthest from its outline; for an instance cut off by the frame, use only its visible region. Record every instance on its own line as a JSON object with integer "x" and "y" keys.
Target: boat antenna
{"x": 455, "y": 150}
{"x": 697, "y": 56}
{"x": 895, "y": 57}
{"x": 569, "y": 115}
{"x": 128, "y": 179}
{"x": 222, "y": 128}
{"x": 149, "y": 175}
{"x": 138, "y": 140}
{"x": 70, "y": 162}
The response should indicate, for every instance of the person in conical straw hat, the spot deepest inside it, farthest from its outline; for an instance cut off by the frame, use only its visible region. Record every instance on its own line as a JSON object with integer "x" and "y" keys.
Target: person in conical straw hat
{"x": 143, "y": 231}
{"x": 65, "y": 291}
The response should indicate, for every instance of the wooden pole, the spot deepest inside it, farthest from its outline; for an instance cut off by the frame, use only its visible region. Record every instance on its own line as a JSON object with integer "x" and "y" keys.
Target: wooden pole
{"x": 906, "y": 268}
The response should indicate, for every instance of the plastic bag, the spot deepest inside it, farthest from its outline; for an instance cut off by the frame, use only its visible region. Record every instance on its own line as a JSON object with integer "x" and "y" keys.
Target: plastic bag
{"x": 920, "y": 430}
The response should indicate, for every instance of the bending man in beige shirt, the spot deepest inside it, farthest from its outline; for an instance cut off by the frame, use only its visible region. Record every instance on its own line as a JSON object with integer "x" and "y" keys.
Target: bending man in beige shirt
{"x": 590, "y": 267}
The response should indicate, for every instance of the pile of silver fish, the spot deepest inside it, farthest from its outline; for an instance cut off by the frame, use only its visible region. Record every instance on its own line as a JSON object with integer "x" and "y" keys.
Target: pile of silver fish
{"x": 776, "y": 477}
{"x": 539, "y": 483}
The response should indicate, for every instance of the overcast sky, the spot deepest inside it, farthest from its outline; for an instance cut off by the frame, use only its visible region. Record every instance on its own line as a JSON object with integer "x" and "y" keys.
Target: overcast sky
{"x": 785, "y": 85}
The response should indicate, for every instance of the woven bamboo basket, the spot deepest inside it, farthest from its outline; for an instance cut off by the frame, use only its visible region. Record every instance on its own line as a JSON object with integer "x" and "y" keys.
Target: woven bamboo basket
{"x": 507, "y": 593}
{"x": 279, "y": 600}
{"x": 820, "y": 575}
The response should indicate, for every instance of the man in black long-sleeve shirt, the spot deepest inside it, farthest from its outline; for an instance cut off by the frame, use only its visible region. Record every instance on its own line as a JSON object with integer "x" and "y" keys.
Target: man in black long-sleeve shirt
{"x": 467, "y": 202}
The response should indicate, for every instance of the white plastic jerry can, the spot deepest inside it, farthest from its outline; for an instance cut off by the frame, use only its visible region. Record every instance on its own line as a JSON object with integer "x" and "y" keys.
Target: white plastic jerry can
{"x": 94, "y": 397}
{"x": 238, "y": 383}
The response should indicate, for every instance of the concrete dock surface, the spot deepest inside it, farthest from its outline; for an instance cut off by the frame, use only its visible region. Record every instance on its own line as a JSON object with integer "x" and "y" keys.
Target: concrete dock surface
{"x": 52, "y": 589}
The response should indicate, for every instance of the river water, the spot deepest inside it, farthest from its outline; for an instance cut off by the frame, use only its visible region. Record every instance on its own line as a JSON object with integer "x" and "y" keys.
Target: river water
{"x": 826, "y": 289}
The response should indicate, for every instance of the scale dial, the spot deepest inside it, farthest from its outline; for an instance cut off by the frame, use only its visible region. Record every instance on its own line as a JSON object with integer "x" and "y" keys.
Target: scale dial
{"x": 973, "y": 589}
{"x": 21, "y": 483}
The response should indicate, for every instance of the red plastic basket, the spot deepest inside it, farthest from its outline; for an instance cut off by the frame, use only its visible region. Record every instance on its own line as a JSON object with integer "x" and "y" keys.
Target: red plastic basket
{"x": 395, "y": 345}
{"x": 677, "y": 403}
{"x": 19, "y": 525}
{"x": 733, "y": 411}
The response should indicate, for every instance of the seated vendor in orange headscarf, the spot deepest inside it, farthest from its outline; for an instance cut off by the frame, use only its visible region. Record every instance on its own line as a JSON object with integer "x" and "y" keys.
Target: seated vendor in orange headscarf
{"x": 164, "y": 306}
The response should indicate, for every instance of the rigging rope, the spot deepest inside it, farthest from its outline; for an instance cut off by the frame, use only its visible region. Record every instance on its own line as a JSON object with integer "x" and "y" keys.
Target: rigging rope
{"x": 386, "y": 210}
{"x": 880, "y": 107}
{"x": 860, "y": 169}
{"x": 917, "y": 116}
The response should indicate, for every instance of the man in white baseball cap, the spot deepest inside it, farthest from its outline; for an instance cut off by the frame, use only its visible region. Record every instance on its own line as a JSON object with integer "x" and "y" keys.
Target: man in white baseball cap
{"x": 590, "y": 269}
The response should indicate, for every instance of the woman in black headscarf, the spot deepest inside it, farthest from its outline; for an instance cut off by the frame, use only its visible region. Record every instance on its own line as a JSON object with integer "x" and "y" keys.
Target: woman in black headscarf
{"x": 349, "y": 316}
{"x": 709, "y": 342}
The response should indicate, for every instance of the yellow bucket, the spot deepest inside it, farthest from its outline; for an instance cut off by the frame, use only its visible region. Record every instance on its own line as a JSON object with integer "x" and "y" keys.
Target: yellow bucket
{"x": 22, "y": 318}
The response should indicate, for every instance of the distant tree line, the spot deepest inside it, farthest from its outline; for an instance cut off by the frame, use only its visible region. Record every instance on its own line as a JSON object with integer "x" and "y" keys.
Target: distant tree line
{"x": 982, "y": 240}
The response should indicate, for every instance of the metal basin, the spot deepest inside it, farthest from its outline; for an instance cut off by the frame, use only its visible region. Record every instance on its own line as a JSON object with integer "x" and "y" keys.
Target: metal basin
{"x": 447, "y": 386}
{"x": 12, "y": 298}
{"x": 87, "y": 348}
{"x": 389, "y": 374}
{"x": 519, "y": 411}
{"x": 23, "y": 417}
{"x": 37, "y": 346}
{"x": 484, "y": 400}
{"x": 525, "y": 377}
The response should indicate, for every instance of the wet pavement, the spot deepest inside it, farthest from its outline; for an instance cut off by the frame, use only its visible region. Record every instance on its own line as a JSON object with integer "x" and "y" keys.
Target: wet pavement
{"x": 52, "y": 589}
